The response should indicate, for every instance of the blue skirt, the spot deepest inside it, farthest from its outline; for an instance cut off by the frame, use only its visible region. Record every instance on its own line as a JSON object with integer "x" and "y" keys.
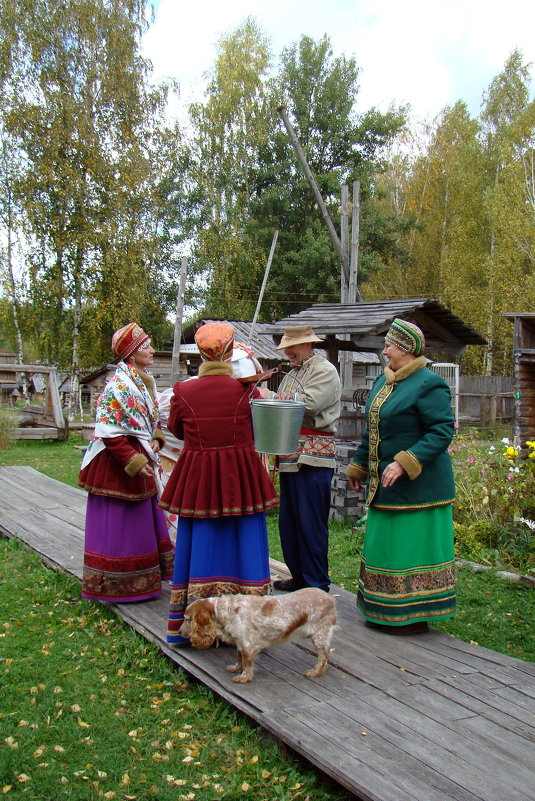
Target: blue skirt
{"x": 220, "y": 556}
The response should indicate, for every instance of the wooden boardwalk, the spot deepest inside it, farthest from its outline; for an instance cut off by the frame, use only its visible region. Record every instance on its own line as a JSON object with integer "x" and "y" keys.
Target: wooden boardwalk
{"x": 423, "y": 718}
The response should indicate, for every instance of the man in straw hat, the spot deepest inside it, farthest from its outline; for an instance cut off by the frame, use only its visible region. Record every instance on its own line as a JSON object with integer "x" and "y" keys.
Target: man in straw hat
{"x": 305, "y": 476}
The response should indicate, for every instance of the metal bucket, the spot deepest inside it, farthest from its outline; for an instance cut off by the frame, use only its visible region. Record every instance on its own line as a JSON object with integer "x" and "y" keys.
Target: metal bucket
{"x": 276, "y": 424}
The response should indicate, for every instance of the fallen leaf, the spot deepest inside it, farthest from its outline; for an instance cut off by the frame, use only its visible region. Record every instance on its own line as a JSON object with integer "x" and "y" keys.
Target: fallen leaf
{"x": 82, "y": 723}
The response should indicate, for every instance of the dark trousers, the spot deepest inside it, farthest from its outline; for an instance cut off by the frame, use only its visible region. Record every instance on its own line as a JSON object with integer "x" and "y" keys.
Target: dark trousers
{"x": 305, "y": 500}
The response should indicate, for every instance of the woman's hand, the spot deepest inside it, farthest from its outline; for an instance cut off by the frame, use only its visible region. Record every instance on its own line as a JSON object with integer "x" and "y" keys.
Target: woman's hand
{"x": 264, "y": 393}
{"x": 354, "y": 484}
{"x": 146, "y": 471}
{"x": 391, "y": 473}
{"x": 155, "y": 445}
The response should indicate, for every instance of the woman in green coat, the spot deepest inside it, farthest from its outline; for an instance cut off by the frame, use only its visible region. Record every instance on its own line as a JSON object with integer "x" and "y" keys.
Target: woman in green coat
{"x": 407, "y": 573}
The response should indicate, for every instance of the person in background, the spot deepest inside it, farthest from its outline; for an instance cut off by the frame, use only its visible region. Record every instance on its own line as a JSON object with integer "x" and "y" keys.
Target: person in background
{"x": 305, "y": 476}
{"x": 127, "y": 551}
{"x": 407, "y": 573}
{"x": 219, "y": 488}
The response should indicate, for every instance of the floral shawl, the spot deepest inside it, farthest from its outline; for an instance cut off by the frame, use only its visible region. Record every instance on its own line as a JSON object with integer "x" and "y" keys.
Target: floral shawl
{"x": 125, "y": 408}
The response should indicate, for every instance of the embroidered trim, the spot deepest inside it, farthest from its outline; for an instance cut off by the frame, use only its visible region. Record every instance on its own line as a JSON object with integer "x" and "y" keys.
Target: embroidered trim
{"x": 375, "y": 439}
{"x": 407, "y": 507}
{"x": 224, "y": 512}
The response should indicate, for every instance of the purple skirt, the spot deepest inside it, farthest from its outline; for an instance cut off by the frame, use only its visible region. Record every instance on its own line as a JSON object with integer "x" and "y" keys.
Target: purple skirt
{"x": 219, "y": 556}
{"x": 127, "y": 550}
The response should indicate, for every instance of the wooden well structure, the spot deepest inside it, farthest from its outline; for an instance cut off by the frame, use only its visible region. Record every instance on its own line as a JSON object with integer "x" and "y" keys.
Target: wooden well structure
{"x": 524, "y": 376}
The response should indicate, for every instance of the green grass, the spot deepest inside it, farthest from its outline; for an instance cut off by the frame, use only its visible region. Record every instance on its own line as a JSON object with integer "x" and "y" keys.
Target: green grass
{"x": 91, "y": 711}
{"x": 59, "y": 460}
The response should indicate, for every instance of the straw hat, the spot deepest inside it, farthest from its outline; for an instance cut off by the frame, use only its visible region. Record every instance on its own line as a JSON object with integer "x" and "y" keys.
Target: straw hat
{"x": 297, "y": 335}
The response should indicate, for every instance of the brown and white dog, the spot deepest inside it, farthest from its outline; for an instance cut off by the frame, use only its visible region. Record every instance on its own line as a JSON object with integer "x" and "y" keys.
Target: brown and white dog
{"x": 252, "y": 622}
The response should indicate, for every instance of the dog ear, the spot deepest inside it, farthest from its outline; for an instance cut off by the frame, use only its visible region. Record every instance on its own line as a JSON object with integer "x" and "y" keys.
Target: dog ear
{"x": 202, "y": 625}
{"x": 268, "y": 607}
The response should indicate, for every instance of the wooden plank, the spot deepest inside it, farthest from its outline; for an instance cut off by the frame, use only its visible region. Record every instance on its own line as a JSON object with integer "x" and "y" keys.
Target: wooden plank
{"x": 444, "y": 720}
{"x": 48, "y": 432}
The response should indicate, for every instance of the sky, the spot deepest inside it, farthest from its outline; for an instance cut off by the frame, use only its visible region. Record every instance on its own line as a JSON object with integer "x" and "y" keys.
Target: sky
{"x": 427, "y": 53}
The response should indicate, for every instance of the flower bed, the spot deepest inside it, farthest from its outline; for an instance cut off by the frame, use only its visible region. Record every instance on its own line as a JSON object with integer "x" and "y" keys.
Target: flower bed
{"x": 494, "y": 512}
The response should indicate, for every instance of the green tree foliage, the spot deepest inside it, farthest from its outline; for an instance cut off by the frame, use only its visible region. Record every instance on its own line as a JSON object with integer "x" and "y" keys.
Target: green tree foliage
{"x": 250, "y": 182}
{"x": 470, "y": 194}
{"x": 228, "y": 130}
{"x": 319, "y": 92}
{"x": 75, "y": 98}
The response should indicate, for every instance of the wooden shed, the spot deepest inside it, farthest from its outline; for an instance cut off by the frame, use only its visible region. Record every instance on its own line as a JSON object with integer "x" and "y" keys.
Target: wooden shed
{"x": 361, "y": 327}
{"x": 365, "y": 325}
{"x": 524, "y": 376}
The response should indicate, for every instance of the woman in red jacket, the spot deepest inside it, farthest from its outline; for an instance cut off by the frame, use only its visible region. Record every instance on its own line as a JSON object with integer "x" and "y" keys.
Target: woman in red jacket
{"x": 127, "y": 549}
{"x": 219, "y": 488}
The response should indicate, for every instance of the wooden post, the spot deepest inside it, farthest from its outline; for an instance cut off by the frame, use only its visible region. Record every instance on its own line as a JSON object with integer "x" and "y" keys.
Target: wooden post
{"x": 264, "y": 282}
{"x": 345, "y": 358}
{"x": 178, "y": 321}
{"x": 344, "y": 242}
{"x": 354, "y": 294}
{"x": 313, "y": 185}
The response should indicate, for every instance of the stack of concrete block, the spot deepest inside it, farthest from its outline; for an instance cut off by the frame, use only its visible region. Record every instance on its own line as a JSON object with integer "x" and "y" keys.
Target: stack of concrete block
{"x": 345, "y": 502}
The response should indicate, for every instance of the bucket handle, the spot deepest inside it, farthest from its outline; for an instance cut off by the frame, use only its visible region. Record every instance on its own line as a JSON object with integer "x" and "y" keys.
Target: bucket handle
{"x": 296, "y": 381}
{"x": 256, "y": 379}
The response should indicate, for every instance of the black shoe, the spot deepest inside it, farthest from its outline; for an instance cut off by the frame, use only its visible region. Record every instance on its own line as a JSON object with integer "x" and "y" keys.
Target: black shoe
{"x": 371, "y": 625}
{"x": 421, "y": 627}
{"x": 286, "y": 585}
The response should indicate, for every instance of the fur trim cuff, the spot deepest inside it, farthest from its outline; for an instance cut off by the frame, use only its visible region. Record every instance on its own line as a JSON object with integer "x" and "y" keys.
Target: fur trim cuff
{"x": 357, "y": 472}
{"x": 159, "y": 435}
{"x": 135, "y": 464}
{"x": 215, "y": 368}
{"x": 409, "y": 462}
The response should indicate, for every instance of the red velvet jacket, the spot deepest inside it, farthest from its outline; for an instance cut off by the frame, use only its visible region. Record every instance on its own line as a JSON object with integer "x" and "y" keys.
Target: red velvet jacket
{"x": 115, "y": 471}
{"x": 218, "y": 473}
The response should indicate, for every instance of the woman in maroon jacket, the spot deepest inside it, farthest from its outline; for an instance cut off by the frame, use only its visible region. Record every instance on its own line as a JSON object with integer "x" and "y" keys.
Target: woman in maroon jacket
{"x": 127, "y": 549}
{"x": 219, "y": 488}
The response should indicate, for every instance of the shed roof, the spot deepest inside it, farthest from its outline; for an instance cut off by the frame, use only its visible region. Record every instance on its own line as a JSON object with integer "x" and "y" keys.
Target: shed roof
{"x": 367, "y": 323}
{"x": 263, "y": 346}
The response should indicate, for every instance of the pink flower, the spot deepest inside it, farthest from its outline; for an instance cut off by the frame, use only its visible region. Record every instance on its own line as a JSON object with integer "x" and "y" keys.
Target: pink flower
{"x": 510, "y": 476}
{"x": 470, "y": 460}
{"x": 133, "y": 422}
{"x": 130, "y": 402}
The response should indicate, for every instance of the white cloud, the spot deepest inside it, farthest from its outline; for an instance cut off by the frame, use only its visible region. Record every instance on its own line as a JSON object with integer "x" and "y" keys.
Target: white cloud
{"x": 424, "y": 52}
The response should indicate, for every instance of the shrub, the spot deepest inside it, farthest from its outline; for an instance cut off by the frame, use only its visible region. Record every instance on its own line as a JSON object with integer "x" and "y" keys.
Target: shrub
{"x": 495, "y": 503}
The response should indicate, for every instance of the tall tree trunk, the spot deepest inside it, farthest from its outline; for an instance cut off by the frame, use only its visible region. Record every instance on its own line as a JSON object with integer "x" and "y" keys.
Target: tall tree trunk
{"x": 9, "y": 222}
{"x": 75, "y": 398}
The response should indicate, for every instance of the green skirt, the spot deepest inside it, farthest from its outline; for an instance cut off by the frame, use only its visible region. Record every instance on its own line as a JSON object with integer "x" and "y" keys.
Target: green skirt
{"x": 407, "y": 571}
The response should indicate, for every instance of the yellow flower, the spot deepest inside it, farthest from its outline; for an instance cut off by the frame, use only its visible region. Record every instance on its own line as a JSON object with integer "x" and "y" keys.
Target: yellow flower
{"x": 510, "y": 451}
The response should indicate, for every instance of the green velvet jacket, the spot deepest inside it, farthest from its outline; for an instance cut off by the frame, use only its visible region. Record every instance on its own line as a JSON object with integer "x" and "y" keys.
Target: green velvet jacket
{"x": 410, "y": 421}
